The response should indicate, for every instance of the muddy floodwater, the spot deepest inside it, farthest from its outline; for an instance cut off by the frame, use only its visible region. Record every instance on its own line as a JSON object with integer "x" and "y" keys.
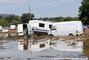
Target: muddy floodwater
{"x": 42, "y": 49}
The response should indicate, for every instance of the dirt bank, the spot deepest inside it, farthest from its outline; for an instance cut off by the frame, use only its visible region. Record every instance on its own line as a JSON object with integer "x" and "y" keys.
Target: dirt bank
{"x": 86, "y": 43}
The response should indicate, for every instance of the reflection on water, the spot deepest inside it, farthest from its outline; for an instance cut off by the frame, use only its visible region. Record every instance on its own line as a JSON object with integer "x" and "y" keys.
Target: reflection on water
{"x": 31, "y": 45}
{"x": 44, "y": 49}
{"x": 61, "y": 45}
{"x": 23, "y": 44}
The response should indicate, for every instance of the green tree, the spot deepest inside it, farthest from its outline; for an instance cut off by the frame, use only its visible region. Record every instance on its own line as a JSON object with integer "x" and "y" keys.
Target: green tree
{"x": 26, "y": 17}
{"x": 75, "y": 19}
{"x": 4, "y": 22}
{"x": 67, "y": 19}
{"x": 0, "y": 20}
{"x": 84, "y": 12}
{"x": 13, "y": 19}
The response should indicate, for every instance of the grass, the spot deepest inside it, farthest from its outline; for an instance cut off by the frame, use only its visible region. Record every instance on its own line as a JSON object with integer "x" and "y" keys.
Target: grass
{"x": 86, "y": 43}
{"x": 46, "y": 37}
{"x": 86, "y": 52}
{"x": 86, "y": 47}
{"x": 1, "y": 38}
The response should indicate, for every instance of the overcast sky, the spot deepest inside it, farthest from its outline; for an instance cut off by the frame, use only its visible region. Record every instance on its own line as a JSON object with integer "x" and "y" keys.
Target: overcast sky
{"x": 41, "y": 8}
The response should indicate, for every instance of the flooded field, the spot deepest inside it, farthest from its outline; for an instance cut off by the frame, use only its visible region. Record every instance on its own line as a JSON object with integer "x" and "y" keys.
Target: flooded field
{"x": 42, "y": 49}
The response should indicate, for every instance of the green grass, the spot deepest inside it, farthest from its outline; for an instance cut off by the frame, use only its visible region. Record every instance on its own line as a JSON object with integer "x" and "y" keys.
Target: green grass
{"x": 1, "y": 38}
{"x": 86, "y": 47}
{"x": 86, "y": 52}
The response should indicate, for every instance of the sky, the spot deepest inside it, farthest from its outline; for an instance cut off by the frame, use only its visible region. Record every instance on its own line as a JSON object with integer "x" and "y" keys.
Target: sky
{"x": 41, "y": 8}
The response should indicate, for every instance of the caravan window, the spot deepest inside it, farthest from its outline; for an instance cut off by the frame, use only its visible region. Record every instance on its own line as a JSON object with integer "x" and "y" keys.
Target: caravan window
{"x": 41, "y": 25}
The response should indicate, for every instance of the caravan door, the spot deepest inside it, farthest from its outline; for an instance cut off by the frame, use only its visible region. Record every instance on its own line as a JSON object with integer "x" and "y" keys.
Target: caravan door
{"x": 20, "y": 30}
{"x": 30, "y": 31}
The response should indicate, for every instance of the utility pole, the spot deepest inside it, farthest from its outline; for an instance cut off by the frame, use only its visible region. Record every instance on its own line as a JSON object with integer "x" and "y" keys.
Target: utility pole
{"x": 29, "y": 12}
{"x": 29, "y": 9}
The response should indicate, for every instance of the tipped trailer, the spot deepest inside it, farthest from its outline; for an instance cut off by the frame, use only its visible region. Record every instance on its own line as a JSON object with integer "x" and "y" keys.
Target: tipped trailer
{"x": 69, "y": 28}
{"x": 41, "y": 27}
{"x": 24, "y": 29}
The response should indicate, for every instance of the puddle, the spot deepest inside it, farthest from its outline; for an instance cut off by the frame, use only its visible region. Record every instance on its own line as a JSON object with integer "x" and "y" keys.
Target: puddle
{"x": 44, "y": 49}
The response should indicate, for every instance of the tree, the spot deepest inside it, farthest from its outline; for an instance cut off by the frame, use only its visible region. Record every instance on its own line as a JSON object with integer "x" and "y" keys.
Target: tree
{"x": 0, "y": 20}
{"x": 26, "y": 17}
{"x": 84, "y": 12}
{"x": 13, "y": 19}
{"x": 4, "y": 22}
{"x": 67, "y": 19}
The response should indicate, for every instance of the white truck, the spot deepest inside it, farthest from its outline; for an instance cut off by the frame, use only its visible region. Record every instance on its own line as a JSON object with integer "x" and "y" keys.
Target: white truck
{"x": 69, "y": 28}
{"x": 23, "y": 29}
{"x": 40, "y": 26}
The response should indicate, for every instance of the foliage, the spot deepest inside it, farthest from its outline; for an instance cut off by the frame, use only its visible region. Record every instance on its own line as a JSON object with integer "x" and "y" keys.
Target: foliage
{"x": 26, "y": 17}
{"x": 8, "y": 20}
{"x": 0, "y": 20}
{"x": 84, "y": 12}
{"x": 59, "y": 19}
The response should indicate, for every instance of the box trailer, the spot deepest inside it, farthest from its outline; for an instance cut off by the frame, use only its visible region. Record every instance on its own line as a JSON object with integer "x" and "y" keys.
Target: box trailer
{"x": 24, "y": 29}
{"x": 69, "y": 28}
{"x": 41, "y": 26}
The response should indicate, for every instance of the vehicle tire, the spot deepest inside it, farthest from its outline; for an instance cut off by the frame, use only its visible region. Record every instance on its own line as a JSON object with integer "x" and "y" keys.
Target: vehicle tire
{"x": 77, "y": 35}
{"x": 51, "y": 35}
{"x": 71, "y": 35}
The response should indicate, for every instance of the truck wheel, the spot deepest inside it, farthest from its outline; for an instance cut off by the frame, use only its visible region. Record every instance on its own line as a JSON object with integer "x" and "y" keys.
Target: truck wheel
{"x": 51, "y": 35}
{"x": 71, "y": 35}
{"x": 77, "y": 35}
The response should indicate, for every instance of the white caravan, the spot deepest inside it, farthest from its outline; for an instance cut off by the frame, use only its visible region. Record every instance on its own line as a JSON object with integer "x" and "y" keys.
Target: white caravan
{"x": 0, "y": 27}
{"x": 69, "y": 28}
{"x": 41, "y": 26}
{"x": 24, "y": 29}
{"x": 13, "y": 27}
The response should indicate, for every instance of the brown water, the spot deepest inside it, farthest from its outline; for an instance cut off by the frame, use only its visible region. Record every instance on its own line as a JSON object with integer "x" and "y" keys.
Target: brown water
{"x": 44, "y": 49}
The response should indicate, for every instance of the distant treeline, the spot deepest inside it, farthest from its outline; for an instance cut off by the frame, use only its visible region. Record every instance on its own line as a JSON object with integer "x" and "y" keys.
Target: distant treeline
{"x": 59, "y": 19}
{"x": 15, "y": 19}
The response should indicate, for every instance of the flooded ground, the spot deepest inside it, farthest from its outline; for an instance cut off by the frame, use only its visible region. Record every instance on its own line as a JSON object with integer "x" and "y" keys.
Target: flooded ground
{"x": 42, "y": 49}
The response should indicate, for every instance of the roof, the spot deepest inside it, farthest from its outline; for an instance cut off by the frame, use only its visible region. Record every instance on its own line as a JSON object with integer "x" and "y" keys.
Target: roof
{"x": 67, "y": 22}
{"x": 45, "y": 21}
